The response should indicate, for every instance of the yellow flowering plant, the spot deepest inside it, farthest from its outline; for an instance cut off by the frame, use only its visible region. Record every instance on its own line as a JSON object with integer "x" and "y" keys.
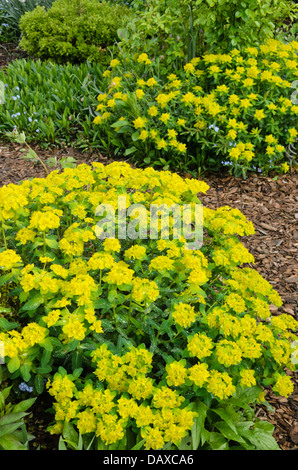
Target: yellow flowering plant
{"x": 143, "y": 342}
{"x": 231, "y": 110}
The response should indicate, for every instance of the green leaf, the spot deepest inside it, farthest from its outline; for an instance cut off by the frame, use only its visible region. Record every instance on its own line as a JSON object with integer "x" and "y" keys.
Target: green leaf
{"x": 139, "y": 445}
{"x": 229, "y": 433}
{"x": 7, "y": 325}
{"x": 228, "y": 415}
{"x": 9, "y": 428}
{"x": 130, "y": 150}
{"x": 135, "y": 136}
{"x": 33, "y": 303}
{"x": 198, "y": 426}
{"x": 43, "y": 370}
{"x": 39, "y": 384}
{"x": 10, "y": 443}
{"x": 24, "y": 405}
{"x": 31, "y": 155}
{"x": 47, "y": 344}
{"x": 25, "y": 371}
{"x": 5, "y": 278}
{"x": 52, "y": 243}
{"x": 76, "y": 360}
{"x": 45, "y": 358}
{"x": 120, "y": 123}
{"x": 69, "y": 433}
{"x": 13, "y": 364}
{"x": 11, "y": 418}
{"x": 61, "y": 444}
{"x": 261, "y": 436}
{"x": 103, "y": 304}
{"x": 217, "y": 441}
{"x": 4, "y": 310}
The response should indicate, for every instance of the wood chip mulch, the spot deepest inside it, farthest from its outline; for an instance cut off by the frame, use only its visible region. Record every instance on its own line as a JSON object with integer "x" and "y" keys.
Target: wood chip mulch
{"x": 272, "y": 207}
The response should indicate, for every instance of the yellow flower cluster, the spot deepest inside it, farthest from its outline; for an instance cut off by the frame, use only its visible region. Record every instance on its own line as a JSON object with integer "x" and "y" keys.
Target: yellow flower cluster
{"x": 231, "y": 114}
{"x": 106, "y": 412}
{"x": 172, "y": 322}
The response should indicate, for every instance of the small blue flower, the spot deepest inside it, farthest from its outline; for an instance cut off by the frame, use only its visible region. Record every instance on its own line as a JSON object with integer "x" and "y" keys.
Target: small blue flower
{"x": 24, "y": 387}
{"x": 212, "y": 126}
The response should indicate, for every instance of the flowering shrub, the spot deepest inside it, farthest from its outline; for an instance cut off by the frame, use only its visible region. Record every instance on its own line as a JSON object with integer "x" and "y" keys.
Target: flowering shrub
{"x": 221, "y": 109}
{"x": 140, "y": 340}
{"x": 170, "y": 31}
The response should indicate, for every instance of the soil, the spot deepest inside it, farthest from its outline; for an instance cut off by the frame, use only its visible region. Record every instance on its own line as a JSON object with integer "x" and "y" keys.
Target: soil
{"x": 271, "y": 204}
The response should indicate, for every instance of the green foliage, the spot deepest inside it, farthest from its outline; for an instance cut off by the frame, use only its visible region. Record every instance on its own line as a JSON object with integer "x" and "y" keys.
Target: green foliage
{"x": 73, "y": 30}
{"x": 52, "y": 104}
{"x": 228, "y": 23}
{"x": 174, "y": 30}
{"x": 229, "y": 425}
{"x": 122, "y": 326}
{"x": 12, "y": 11}
{"x": 13, "y": 432}
{"x": 235, "y": 110}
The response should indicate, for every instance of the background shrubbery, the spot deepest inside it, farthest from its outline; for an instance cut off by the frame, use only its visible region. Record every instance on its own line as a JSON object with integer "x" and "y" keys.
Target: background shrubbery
{"x": 73, "y": 31}
{"x": 219, "y": 109}
{"x": 11, "y": 12}
{"x": 173, "y": 30}
{"x": 51, "y": 103}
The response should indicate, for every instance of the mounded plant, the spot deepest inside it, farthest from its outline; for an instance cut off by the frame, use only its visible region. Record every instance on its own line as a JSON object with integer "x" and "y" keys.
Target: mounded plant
{"x": 73, "y": 30}
{"x": 236, "y": 109}
{"x": 144, "y": 340}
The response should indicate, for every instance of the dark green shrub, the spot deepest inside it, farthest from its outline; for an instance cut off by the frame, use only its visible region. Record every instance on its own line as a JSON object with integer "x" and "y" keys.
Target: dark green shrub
{"x": 73, "y": 30}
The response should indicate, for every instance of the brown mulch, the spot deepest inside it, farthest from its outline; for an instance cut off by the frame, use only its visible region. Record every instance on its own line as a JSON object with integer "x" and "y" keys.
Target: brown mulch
{"x": 272, "y": 207}
{"x": 10, "y": 52}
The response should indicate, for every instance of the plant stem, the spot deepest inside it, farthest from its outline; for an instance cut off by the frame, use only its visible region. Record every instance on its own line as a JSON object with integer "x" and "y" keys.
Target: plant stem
{"x": 40, "y": 160}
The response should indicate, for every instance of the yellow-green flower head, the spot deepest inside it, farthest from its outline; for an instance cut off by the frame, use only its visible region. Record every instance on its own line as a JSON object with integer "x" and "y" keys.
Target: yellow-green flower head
{"x": 200, "y": 345}
{"x": 9, "y": 259}
{"x": 184, "y": 315}
{"x": 176, "y": 373}
{"x": 220, "y": 384}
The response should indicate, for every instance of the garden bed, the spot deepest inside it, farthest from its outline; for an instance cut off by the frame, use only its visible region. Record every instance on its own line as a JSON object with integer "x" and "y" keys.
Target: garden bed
{"x": 272, "y": 207}
{"x": 218, "y": 403}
